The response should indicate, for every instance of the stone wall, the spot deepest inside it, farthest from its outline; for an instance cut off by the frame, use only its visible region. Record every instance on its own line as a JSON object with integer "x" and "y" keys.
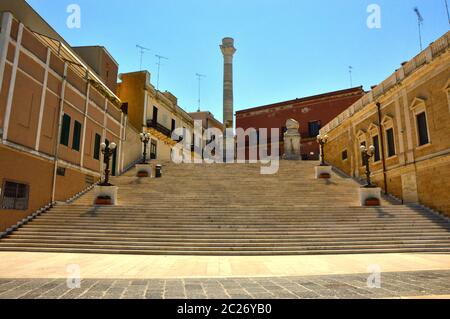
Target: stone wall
{"x": 416, "y": 173}
{"x": 132, "y": 147}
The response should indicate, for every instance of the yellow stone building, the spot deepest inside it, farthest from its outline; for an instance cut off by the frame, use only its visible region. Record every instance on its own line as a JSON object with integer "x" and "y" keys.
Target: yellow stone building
{"x": 155, "y": 112}
{"x": 407, "y": 119}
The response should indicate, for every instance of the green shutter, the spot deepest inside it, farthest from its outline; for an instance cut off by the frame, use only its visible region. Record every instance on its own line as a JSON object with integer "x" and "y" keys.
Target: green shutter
{"x": 97, "y": 146}
{"x": 390, "y": 142}
{"x": 422, "y": 128}
{"x": 376, "y": 143}
{"x": 65, "y": 131}
{"x": 76, "y": 136}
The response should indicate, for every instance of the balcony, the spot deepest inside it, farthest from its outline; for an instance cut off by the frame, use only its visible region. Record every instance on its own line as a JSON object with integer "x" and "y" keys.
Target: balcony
{"x": 159, "y": 127}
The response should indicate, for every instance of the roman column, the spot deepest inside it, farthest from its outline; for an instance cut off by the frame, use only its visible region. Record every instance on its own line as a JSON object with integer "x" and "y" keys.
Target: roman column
{"x": 228, "y": 51}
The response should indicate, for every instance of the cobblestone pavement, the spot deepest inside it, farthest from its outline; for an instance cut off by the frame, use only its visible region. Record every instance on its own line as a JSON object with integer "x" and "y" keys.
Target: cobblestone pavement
{"x": 399, "y": 284}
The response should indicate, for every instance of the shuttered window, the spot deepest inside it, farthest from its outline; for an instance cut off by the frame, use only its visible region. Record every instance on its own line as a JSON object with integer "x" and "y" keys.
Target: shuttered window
{"x": 14, "y": 196}
{"x": 422, "y": 129}
{"x": 390, "y": 142}
{"x": 97, "y": 147}
{"x": 65, "y": 131}
{"x": 313, "y": 128}
{"x": 376, "y": 143}
{"x": 362, "y": 158}
{"x": 76, "y": 136}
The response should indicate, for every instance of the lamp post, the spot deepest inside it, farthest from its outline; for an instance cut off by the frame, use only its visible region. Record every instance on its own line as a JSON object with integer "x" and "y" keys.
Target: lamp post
{"x": 322, "y": 140}
{"x": 366, "y": 154}
{"x": 145, "y": 138}
{"x": 107, "y": 151}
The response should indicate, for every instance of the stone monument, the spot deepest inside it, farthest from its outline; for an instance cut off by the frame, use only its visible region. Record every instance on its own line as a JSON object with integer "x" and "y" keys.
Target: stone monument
{"x": 228, "y": 51}
{"x": 292, "y": 140}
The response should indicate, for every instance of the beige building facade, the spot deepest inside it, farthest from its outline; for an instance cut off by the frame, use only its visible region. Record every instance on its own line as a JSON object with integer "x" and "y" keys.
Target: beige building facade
{"x": 55, "y": 111}
{"x": 407, "y": 119}
{"x": 153, "y": 111}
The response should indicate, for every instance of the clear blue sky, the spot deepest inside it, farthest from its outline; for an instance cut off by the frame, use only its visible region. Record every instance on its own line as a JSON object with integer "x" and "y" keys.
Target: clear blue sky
{"x": 286, "y": 48}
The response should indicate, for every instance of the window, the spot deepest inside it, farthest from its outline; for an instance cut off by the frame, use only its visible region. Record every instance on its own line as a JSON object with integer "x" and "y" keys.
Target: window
{"x": 155, "y": 115}
{"x": 173, "y": 127}
{"x": 362, "y": 158}
{"x": 61, "y": 171}
{"x": 447, "y": 92}
{"x": 15, "y": 196}
{"x": 419, "y": 108}
{"x": 313, "y": 128}
{"x": 390, "y": 142}
{"x": 76, "y": 136}
{"x": 97, "y": 147}
{"x": 422, "y": 129}
{"x": 153, "y": 149}
{"x": 65, "y": 131}
{"x": 376, "y": 144}
{"x": 344, "y": 155}
{"x": 388, "y": 125}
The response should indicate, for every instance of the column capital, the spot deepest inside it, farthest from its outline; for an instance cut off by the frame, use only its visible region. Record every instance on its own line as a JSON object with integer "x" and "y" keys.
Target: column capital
{"x": 227, "y": 47}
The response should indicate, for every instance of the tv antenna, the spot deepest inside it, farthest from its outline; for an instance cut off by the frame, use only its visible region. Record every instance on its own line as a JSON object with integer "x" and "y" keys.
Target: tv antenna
{"x": 199, "y": 77}
{"x": 159, "y": 57}
{"x": 448, "y": 14}
{"x": 420, "y": 23}
{"x": 350, "y": 70}
{"x": 141, "y": 52}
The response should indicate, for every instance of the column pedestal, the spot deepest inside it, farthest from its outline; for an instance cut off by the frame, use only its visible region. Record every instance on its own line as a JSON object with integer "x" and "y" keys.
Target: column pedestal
{"x": 105, "y": 195}
{"x": 144, "y": 170}
{"x": 323, "y": 172}
{"x": 370, "y": 196}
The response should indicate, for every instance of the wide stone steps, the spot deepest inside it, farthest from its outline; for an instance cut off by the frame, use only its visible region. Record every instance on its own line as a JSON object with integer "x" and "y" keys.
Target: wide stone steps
{"x": 241, "y": 233}
{"x": 233, "y": 210}
{"x": 247, "y": 224}
{"x": 223, "y": 238}
{"x": 130, "y": 246}
{"x": 220, "y": 251}
{"x": 224, "y": 252}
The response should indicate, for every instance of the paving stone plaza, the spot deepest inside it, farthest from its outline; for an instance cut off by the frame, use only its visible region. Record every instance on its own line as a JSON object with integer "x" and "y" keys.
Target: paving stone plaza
{"x": 116, "y": 186}
{"x": 393, "y": 285}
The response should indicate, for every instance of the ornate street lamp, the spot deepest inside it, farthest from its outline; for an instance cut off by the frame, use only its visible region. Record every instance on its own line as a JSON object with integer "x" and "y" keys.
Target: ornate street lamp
{"x": 366, "y": 154}
{"x": 322, "y": 140}
{"x": 107, "y": 151}
{"x": 145, "y": 138}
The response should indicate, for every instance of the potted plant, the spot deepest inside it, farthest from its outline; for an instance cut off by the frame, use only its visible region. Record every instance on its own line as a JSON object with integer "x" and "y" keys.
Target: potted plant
{"x": 142, "y": 174}
{"x": 325, "y": 175}
{"x": 372, "y": 201}
{"x": 103, "y": 200}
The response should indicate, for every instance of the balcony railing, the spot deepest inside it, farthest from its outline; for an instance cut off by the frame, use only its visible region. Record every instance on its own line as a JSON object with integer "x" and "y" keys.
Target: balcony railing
{"x": 159, "y": 127}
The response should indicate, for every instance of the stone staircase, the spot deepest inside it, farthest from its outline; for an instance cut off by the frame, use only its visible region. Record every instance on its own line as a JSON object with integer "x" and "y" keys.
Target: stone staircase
{"x": 233, "y": 210}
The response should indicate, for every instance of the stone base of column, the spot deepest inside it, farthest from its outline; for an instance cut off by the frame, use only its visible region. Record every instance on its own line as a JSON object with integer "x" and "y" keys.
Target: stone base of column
{"x": 323, "y": 172}
{"x": 144, "y": 170}
{"x": 370, "y": 196}
{"x": 105, "y": 195}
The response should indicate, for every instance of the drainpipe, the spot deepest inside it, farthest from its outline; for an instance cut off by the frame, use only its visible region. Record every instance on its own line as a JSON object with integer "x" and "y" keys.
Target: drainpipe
{"x": 383, "y": 160}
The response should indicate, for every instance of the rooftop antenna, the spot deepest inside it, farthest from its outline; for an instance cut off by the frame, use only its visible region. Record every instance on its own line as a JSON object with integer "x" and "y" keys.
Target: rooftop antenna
{"x": 420, "y": 23}
{"x": 350, "y": 69}
{"x": 199, "y": 77}
{"x": 142, "y": 51}
{"x": 448, "y": 14}
{"x": 159, "y": 57}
